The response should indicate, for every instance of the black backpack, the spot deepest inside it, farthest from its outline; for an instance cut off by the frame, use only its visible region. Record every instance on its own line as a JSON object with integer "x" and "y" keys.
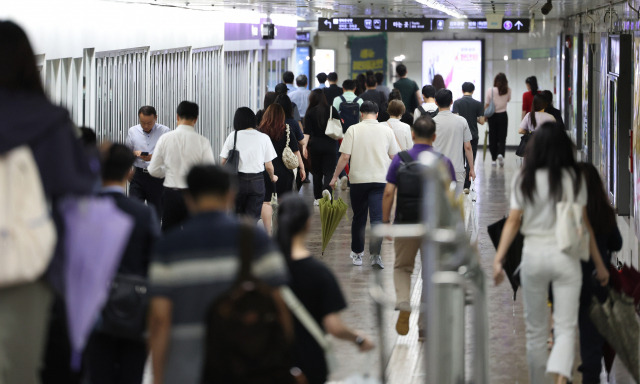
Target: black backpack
{"x": 249, "y": 330}
{"x": 409, "y": 189}
{"x": 349, "y": 112}
{"x": 431, "y": 113}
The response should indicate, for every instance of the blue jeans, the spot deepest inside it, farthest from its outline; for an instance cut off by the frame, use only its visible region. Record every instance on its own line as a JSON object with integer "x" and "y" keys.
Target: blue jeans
{"x": 366, "y": 199}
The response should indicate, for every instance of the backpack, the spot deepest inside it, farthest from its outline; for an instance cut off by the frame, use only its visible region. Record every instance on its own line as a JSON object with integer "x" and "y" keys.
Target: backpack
{"x": 349, "y": 112}
{"x": 430, "y": 113}
{"x": 249, "y": 330}
{"x": 27, "y": 232}
{"x": 409, "y": 189}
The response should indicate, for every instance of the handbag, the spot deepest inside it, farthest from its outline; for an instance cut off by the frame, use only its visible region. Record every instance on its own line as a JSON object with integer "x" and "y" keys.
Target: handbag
{"x": 289, "y": 158}
{"x": 304, "y": 317}
{"x": 233, "y": 160}
{"x": 334, "y": 127}
{"x": 571, "y": 232}
{"x": 491, "y": 109}
{"x": 513, "y": 258}
{"x": 125, "y": 313}
{"x": 522, "y": 147}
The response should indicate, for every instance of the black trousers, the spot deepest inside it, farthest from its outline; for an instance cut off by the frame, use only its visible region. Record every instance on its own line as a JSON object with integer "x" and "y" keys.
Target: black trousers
{"x": 112, "y": 360}
{"x": 174, "y": 209}
{"x": 498, "y": 125}
{"x": 250, "y": 195}
{"x": 147, "y": 188}
{"x": 323, "y": 164}
{"x": 474, "y": 148}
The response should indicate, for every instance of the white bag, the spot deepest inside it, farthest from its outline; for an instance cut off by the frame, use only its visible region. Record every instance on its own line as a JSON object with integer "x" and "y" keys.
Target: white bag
{"x": 334, "y": 127}
{"x": 27, "y": 233}
{"x": 571, "y": 232}
{"x": 289, "y": 158}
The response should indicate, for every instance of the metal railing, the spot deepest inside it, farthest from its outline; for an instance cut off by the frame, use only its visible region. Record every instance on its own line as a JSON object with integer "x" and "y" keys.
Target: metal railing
{"x": 452, "y": 279}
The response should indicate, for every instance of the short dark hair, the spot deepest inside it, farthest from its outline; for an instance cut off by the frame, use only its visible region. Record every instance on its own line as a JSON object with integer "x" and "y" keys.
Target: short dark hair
{"x": 371, "y": 81}
{"x": 322, "y": 77}
{"x": 281, "y": 88}
{"x": 349, "y": 85}
{"x": 187, "y": 110}
{"x": 244, "y": 118}
{"x": 212, "y": 180}
{"x": 396, "y": 108}
{"x": 548, "y": 95}
{"x": 424, "y": 127}
{"x": 468, "y": 87}
{"x": 401, "y": 70}
{"x": 444, "y": 98}
{"x": 117, "y": 161}
{"x": 88, "y": 137}
{"x": 395, "y": 95}
{"x": 18, "y": 70}
{"x": 302, "y": 81}
{"x": 147, "y": 110}
{"x": 379, "y": 77}
{"x": 287, "y": 77}
{"x": 429, "y": 91}
{"x": 369, "y": 107}
{"x": 332, "y": 76}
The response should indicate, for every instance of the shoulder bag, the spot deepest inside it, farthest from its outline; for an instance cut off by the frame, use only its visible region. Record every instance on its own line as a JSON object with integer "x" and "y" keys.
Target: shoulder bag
{"x": 233, "y": 160}
{"x": 491, "y": 109}
{"x": 289, "y": 158}
{"x": 571, "y": 232}
{"x": 124, "y": 315}
{"x": 334, "y": 127}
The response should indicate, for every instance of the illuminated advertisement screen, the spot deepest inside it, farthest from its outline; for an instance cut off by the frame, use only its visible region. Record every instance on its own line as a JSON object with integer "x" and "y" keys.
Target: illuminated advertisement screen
{"x": 457, "y": 61}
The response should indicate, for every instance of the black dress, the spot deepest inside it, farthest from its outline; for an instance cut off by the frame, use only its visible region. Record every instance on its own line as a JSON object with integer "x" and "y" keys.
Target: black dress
{"x": 285, "y": 176}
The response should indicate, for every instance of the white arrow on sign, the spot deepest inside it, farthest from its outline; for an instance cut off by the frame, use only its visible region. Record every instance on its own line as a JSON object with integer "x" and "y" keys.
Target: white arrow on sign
{"x": 519, "y": 24}
{"x": 327, "y": 23}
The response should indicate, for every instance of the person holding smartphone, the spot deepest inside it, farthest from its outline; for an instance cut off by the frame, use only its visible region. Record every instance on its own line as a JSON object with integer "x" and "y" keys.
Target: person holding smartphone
{"x": 142, "y": 140}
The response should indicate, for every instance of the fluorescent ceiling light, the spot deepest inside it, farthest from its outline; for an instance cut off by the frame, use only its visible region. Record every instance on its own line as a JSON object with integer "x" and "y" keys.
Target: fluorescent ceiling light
{"x": 442, "y": 8}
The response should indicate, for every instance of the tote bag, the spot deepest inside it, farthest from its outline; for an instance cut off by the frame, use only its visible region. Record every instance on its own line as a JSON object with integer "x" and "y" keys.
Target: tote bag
{"x": 233, "y": 160}
{"x": 334, "y": 127}
{"x": 571, "y": 232}
{"x": 491, "y": 109}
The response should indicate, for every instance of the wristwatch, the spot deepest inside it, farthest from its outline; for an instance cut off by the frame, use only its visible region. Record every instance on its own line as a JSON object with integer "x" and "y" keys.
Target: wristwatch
{"x": 359, "y": 340}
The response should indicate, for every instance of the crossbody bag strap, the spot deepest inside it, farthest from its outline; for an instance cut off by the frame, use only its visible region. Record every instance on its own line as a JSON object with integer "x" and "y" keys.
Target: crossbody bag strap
{"x": 235, "y": 139}
{"x": 305, "y": 318}
{"x": 288, "y": 134}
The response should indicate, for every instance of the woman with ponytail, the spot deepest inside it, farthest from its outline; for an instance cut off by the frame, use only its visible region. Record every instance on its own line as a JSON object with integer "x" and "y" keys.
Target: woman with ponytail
{"x": 316, "y": 287}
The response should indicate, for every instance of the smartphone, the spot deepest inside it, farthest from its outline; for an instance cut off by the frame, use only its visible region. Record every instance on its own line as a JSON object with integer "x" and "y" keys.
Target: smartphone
{"x": 144, "y": 153}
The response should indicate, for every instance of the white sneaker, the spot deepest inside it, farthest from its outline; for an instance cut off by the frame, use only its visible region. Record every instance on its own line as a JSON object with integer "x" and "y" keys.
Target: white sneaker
{"x": 316, "y": 203}
{"x": 376, "y": 262}
{"x": 493, "y": 163}
{"x": 326, "y": 194}
{"x": 466, "y": 191}
{"x": 344, "y": 183}
{"x": 501, "y": 160}
{"x": 356, "y": 258}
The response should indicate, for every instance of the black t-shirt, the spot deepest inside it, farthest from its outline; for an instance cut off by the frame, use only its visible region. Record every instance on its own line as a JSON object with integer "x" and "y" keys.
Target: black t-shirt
{"x": 375, "y": 96}
{"x": 332, "y": 92}
{"x": 470, "y": 109}
{"x": 316, "y": 287}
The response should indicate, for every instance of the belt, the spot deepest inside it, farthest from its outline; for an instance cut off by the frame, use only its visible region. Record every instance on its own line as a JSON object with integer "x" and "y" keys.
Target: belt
{"x": 143, "y": 170}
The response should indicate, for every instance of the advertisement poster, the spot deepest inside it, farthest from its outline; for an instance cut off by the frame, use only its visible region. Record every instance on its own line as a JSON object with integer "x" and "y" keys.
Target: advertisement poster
{"x": 368, "y": 54}
{"x": 636, "y": 134}
{"x": 457, "y": 61}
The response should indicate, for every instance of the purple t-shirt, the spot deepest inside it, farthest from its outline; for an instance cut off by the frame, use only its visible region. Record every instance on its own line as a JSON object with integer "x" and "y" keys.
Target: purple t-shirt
{"x": 414, "y": 152}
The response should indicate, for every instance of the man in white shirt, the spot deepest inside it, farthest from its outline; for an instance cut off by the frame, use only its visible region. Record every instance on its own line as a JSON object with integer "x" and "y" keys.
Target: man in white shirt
{"x": 176, "y": 152}
{"x": 369, "y": 147}
{"x": 453, "y": 135}
{"x": 300, "y": 96}
{"x": 429, "y": 104}
{"x": 142, "y": 140}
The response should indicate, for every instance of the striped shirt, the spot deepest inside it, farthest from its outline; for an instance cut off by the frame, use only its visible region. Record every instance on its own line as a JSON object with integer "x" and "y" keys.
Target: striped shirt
{"x": 192, "y": 268}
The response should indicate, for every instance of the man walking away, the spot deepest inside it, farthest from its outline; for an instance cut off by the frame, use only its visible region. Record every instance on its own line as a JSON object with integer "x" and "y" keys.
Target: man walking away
{"x": 372, "y": 94}
{"x": 429, "y": 105}
{"x": 287, "y": 79}
{"x": 408, "y": 89}
{"x": 300, "y": 96}
{"x": 473, "y": 111}
{"x": 404, "y": 177}
{"x": 192, "y": 268}
{"x": 176, "y": 152}
{"x": 333, "y": 90}
{"x": 110, "y": 357}
{"x": 348, "y": 104}
{"x": 453, "y": 134}
{"x": 142, "y": 140}
{"x": 381, "y": 87}
{"x": 322, "y": 79}
{"x": 369, "y": 146}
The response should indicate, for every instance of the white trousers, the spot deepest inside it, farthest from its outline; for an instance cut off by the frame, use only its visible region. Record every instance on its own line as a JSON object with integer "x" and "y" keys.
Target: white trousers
{"x": 542, "y": 264}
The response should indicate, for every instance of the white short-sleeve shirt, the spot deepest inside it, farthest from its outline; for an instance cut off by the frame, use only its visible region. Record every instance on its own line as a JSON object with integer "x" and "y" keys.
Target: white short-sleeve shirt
{"x": 255, "y": 149}
{"x": 452, "y": 131}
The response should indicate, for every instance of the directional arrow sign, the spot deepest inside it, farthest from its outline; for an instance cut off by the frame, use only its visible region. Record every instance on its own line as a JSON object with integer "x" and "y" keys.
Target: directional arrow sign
{"x": 328, "y": 23}
{"x": 519, "y": 24}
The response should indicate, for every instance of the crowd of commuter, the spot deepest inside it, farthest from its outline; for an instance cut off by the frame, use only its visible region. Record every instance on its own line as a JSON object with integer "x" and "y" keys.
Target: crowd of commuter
{"x": 208, "y": 273}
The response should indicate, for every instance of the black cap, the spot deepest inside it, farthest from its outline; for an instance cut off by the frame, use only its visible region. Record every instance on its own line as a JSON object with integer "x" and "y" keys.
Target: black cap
{"x": 282, "y": 88}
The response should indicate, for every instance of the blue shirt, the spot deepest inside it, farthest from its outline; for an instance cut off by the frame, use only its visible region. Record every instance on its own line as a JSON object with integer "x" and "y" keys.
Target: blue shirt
{"x": 139, "y": 140}
{"x": 301, "y": 98}
{"x": 415, "y": 152}
{"x": 321, "y": 86}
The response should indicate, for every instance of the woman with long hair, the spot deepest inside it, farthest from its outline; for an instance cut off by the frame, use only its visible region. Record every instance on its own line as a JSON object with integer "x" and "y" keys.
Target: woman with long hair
{"x": 256, "y": 154}
{"x": 532, "y": 120}
{"x": 605, "y": 228}
{"x": 550, "y": 174}
{"x": 288, "y": 106}
{"x": 438, "y": 83}
{"x": 273, "y": 125}
{"x": 500, "y": 93}
{"x": 317, "y": 289}
{"x": 527, "y": 97}
{"x": 322, "y": 148}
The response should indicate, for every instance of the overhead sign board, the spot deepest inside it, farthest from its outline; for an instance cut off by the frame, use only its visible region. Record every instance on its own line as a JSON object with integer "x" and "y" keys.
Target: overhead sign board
{"x": 361, "y": 24}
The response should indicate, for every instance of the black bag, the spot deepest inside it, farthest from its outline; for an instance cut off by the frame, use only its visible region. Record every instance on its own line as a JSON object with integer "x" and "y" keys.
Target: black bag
{"x": 233, "y": 160}
{"x": 522, "y": 148}
{"x": 513, "y": 258}
{"x": 349, "y": 112}
{"x": 409, "y": 189}
{"x": 249, "y": 330}
{"x": 125, "y": 313}
{"x": 424, "y": 112}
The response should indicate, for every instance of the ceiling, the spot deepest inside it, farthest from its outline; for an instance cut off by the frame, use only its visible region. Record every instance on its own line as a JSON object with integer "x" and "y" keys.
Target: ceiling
{"x": 310, "y": 10}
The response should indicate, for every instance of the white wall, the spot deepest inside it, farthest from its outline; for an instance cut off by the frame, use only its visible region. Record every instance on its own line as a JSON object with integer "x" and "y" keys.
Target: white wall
{"x": 497, "y": 45}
